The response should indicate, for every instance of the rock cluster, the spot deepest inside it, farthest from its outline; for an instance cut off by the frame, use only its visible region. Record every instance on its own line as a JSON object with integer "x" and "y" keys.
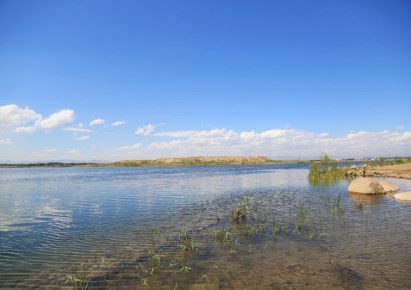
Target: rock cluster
{"x": 371, "y": 186}
{"x": 357, "y": 171}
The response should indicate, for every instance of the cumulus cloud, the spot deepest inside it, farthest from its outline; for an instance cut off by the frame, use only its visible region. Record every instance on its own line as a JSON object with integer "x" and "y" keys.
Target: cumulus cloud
{"x": 77, "y": 129}
{"x": 57, "y": 119}
{"x": 97, "y": 122}
{"x": 216, "y": 133}
{"x": 13, "y": 116}
{"x": 118, "y": 123}
{"x": 6, "y": 141}
{"x": 145, "y": 130}
{"x": 276, "y": 143}
{"x": 28, "y": 129}
{"x": 80, "y": 138}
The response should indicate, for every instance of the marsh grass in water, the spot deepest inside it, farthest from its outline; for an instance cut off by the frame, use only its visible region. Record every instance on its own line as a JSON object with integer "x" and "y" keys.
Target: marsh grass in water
{"x": 325, "y": 171}
{"x": 187, "y": 243}
{"x": 185, "y": 260}
{"x": 242, "y": 212}
{"x": 79, "y": 279}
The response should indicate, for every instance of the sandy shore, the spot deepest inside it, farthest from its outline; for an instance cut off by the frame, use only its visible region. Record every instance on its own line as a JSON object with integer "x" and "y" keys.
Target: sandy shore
{"x": 402, "y": 171}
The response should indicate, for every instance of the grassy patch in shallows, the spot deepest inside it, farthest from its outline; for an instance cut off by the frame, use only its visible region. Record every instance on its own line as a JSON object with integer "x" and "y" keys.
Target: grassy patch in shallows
{"x": 177, "y": 259}
{"x": 325, "y": 171}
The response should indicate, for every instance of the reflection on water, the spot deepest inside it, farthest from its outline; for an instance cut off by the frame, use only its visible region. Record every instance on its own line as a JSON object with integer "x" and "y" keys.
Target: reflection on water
{"x": 53, "y": 220}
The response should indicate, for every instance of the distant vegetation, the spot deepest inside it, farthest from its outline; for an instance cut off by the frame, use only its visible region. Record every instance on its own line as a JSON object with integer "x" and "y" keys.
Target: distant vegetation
{"x": 325, "y": 171}
{"x": 187, "y": 161}
{"x": 320, "y": 170}
{"x": 382, "y": 161}
{"x": 45, "y": 164}
{"x": 204, "y": 160}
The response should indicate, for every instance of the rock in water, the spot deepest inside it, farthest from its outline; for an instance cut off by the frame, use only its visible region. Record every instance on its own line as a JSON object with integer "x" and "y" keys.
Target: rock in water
{"x": 366, "y": 186}
{"x": 389, "y": 186}
{"x": 404, "y": 196}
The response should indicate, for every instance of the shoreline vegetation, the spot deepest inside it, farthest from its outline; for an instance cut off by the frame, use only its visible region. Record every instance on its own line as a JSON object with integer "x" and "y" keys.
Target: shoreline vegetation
{"x": 184, "y": 161}
{"x": 206, "y": 160}
{"x": 323, "y": 170}
{"x": 327, "y": 171}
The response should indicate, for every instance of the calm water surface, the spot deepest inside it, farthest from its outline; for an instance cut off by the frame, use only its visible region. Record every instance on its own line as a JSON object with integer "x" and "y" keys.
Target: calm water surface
{"x": 59, "y": 221}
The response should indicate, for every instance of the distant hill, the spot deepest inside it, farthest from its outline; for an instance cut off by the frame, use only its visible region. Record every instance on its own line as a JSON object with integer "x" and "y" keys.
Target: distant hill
{"x": 201, "y": 160}
{"x": 186, "y": 161}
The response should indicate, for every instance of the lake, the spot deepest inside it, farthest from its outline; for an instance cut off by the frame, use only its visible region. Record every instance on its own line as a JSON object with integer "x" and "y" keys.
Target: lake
{"x": 172, "y": 227}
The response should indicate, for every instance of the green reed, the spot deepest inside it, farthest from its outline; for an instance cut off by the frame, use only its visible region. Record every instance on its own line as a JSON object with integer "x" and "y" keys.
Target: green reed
{"x": 325, "y": 171}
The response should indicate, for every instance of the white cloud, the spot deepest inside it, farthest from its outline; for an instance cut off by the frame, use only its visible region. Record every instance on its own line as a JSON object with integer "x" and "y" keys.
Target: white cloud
{"x": 277, "y": 143}
{"x": 145, "y": 130}
{"x": 216, "y": 133}
{"x": 12, "y": 116}
{"x": 97, "y": 122}
{"x": 57, "y": 119}
{"x": 118, "y": 123}
{"x": 6, "y": 141}
{"x": 247, "y": 136}
{"x": 82, "y": 138}
{"x": 54, "y": 120}
{"x": 29, "y": 129}
{"x": 77, "y": 129}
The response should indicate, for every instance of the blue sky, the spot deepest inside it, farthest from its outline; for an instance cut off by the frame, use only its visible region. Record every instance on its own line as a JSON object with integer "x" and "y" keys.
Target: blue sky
{"x": 276, "y": 78}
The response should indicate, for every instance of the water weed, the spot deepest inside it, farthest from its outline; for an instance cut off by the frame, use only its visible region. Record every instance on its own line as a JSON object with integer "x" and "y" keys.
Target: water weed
{"x": 360, "y": 205}
{"x": 79, "y": 279}
{"x": 187, "y": 243}
{"x": 325, "y": 171}
{"x": 242, "y": 212}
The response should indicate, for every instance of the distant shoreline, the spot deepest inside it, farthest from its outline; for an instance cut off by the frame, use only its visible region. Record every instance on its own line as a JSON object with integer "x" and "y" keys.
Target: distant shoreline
{"x": 192, "y": 161}
{"x": 186, "y": 161}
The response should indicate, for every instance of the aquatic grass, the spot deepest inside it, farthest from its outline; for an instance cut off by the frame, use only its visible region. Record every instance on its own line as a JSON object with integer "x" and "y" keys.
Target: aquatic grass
{"x": 360, "y": 204}
{"x": 338, "y": 203}
{"x": 223, "y": 234}
{"x": 262, "y": 228}
{"x": 325, "y": 171}
{"x": 251, "y": 231}
{"x": 278, "y": 229}
{"x": 185, "y": 269}
{"x": 302, "y": 214}
{"x": 154, "y": 258}
{"x": 230, "y": 238}
{"x": 187, "y": 243}
{"x": 242, "y": 212}
{"x": 79, "y": 279}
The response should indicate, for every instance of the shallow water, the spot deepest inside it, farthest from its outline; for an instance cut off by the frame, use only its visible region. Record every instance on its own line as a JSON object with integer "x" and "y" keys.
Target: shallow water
{"x": 52, "y": 221}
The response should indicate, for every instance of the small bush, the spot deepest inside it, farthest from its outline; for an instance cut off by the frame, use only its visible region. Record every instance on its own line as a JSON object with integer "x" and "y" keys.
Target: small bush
{"x": 325, "y": 171}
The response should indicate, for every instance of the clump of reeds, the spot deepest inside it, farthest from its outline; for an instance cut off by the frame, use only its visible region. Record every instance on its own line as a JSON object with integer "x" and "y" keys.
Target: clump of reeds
{"x": 242, "y": 212}
{"x": 325, "y": 171}
{"x": 187, "y": 243}
{"x": 79, "y": 279}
